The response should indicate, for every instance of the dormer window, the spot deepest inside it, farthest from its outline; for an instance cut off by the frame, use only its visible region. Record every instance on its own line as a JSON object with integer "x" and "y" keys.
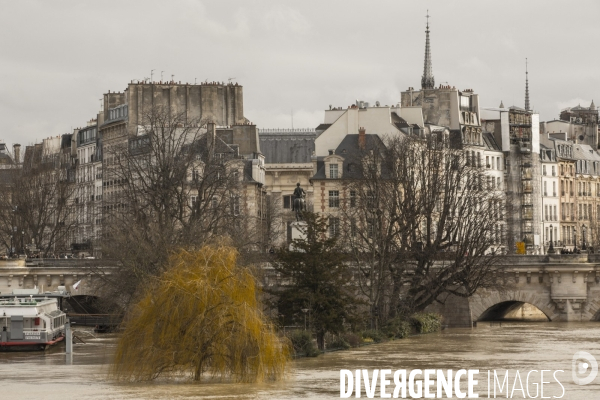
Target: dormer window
{"x": 333, "y": 171}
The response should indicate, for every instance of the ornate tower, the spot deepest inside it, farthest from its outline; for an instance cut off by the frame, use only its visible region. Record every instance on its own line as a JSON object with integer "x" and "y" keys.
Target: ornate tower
{"x": 427, "y": 81}
{"x": 527, "y": 107}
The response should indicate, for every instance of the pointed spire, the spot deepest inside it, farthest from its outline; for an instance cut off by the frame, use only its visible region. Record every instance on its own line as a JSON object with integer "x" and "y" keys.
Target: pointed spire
{"x": 527, "y": 108}
{"x": 501, "y": 104}
{"x": 592, "y": 106}
{"x": 427, "y": 81}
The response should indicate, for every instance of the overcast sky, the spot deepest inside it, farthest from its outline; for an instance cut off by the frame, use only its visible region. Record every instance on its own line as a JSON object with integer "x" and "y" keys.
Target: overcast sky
{"x": 58, "y": 57}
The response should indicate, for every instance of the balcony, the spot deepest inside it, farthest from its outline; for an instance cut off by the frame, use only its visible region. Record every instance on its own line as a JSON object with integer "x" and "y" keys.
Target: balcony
{"x": 527, "y": 215}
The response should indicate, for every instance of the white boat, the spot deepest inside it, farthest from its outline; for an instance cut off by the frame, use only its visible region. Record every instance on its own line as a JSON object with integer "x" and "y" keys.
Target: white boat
{"x": 30, "y": 320}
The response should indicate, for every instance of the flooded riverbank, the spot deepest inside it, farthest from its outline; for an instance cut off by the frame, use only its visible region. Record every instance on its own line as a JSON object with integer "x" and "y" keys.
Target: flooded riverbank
{"x": 512, "y": 346}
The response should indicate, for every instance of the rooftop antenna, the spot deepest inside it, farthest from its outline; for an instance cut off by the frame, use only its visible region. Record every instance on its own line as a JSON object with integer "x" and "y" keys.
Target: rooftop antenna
{"x": 101, "y": 104}
{"x": 151, "y": 75}
{"x": 172, "y": 78}
{"x": 230, "y": 79}
{"x": 292, "y": 119}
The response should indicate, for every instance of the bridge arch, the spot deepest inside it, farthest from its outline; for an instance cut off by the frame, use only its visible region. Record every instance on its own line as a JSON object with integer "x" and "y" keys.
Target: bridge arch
{"x": 516, "y": 310}
{"x": 484, "y": 304}
{"x": 88, "y": 304}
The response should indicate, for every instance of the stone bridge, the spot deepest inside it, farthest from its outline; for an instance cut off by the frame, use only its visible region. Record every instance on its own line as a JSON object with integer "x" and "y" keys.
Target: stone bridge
{"x": 48, "y": 274}
{"x": 563, "y": 287}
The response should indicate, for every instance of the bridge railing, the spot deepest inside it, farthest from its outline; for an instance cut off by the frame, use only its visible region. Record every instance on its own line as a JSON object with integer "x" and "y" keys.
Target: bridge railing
{"x": 95, "y": 319}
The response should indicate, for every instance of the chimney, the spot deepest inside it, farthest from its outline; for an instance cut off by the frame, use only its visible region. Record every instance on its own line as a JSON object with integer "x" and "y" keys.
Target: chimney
{"x": 211, "y": 135}
{"x": 362, "y": 138}
{"x": 17, "y": 153}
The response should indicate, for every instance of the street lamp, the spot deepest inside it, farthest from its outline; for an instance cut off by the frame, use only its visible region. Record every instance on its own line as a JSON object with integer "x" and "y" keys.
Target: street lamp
{"x": 575, "y": 239}
{"x": 551, "y": 248}
{"x": 583, "y": 227}
{"x": 305, "y": 310}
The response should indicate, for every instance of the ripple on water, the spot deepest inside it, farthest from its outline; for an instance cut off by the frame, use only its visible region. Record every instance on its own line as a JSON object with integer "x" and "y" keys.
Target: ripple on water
{"x": 513, "y": 346}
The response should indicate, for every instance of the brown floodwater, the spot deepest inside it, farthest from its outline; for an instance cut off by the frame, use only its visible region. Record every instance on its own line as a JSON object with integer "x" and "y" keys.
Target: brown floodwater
{"x": 513, "y": 346}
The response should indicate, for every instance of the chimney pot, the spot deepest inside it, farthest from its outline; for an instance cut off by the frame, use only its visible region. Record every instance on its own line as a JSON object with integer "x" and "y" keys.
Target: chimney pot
{"x": 362, "y": 138}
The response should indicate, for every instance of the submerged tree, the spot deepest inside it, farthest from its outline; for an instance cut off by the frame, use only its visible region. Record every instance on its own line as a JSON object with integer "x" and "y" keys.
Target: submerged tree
{"x": 317, "y": 279}
{"x": 424, "y": 221}
{"x": 174, "y": 185}
{"x": 201, "y": 317}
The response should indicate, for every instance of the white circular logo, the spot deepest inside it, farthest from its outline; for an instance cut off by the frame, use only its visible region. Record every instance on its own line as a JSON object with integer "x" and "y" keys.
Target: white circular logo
{"x": 584, "y": 363}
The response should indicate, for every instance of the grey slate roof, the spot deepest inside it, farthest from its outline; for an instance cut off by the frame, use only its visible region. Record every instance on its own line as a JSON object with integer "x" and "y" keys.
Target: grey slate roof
{"x": 284, "y": 148}
{"x": 350, "y": 151}
{"x": 490, "y": 142}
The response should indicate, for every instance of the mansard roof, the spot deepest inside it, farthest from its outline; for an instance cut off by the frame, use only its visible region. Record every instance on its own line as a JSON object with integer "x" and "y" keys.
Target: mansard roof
{"x": 349, "y": 149}
{"x": 490, "y": 142}
{"x": 286, "y": 148}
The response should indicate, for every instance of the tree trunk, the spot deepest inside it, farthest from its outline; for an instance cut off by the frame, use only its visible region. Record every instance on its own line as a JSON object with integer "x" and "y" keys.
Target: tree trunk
{"x": 321, "y": 340}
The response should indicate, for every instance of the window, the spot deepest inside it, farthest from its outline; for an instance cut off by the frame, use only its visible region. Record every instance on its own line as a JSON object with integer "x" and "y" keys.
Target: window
{"x": 354, "y": 229}
{"x": 235, "y": 205}
{"x": 370, "y": 227}
{"x": 352, "y": 198}
{"x": 333, "y": 171}
{"x": 543, "y": 170}
{"x": 334, "y": 226}
{"x": 553, "y": 170}
{"x": 371, "y": 202}
{"x": 334, "y": 198}
{"x": 214, "y": 202}
{"x": 288, "y": 201}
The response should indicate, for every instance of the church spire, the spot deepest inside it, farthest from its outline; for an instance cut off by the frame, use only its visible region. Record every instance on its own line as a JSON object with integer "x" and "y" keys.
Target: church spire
{"x": 527, "y": 108}
{"x": 427, "y": 81}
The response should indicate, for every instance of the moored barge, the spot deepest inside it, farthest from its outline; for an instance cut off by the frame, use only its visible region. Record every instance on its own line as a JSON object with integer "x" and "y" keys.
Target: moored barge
{"x": 30, "y": 321}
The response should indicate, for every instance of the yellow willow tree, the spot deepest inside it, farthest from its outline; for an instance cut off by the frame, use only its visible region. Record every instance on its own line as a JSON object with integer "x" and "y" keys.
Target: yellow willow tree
{"x": 201, "y": 317}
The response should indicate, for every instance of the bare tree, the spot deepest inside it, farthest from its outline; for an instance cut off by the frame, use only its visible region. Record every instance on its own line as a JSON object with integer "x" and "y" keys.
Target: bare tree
{"x": 422, "y": 224}
{"x": 35, "y": 206}
{"x": 174, "y": 185}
